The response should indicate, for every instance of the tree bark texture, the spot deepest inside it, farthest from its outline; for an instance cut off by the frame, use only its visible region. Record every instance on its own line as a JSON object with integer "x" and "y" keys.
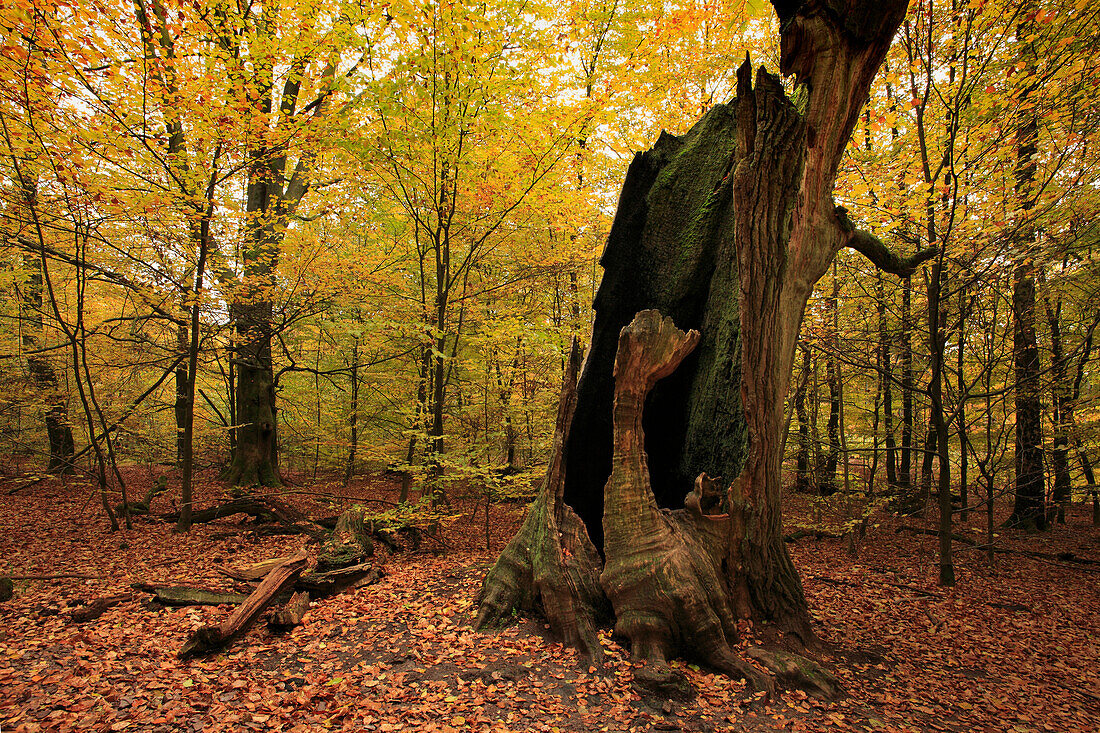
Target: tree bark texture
{"x": 804, "y": 476}
{"x": 209, "y": 639}
{"x": 1029, "y": 507}
{"x": 718, "y": 240}
{"x": 59, "y": 432}
{"x": 256, "y": 458}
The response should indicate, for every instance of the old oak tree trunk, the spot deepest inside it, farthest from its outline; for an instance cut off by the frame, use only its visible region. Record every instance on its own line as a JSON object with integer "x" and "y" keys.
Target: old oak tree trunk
{"x": 721, "y": 233}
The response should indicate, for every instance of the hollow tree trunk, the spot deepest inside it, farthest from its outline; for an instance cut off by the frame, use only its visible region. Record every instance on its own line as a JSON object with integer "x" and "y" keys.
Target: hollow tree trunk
{"x": 723, "y": 231}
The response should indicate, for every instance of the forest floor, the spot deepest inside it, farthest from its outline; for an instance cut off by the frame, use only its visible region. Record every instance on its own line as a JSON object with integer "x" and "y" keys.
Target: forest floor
{"x": 1013, "y": 647}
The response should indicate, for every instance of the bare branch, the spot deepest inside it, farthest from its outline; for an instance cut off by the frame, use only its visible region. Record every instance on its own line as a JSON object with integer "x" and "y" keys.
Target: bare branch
{"x": 876, "y": 250}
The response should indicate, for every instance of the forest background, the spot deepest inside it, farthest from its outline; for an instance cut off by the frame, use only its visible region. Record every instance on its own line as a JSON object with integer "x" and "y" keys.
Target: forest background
{"x": 314, "y": 239}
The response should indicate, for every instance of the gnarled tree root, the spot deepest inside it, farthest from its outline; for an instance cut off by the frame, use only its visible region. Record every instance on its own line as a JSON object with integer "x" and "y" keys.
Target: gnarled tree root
{"x": 798, "y": 672}
{"x": 664, "y": 572}
{"x": 669, "y": 576}
{"x": 551, "y": 565}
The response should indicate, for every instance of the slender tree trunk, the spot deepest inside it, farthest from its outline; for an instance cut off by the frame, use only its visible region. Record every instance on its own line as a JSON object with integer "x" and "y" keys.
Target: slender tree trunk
{"x": 886, "y": 381}
{"x": 504, "y": 391}
{"x": 964, "y": 490}
{"x": 1029, "y": 509}
{"x": 201, "y": 239}
{"x": 804, "y": 481}
{"x": 353, "y": 412}
{"x": 183, "y": 343}
{"x": 1070, "y": 420}
{"x": 827, "y": 474}
{"x": 1090, "y": 478}
{"x": 937, "y": 342}
{"x": 905, "y": 469}
{"x": 438, "y": 394}
{"x": 59, "y": 433}
{"x": 1060, "y": 396}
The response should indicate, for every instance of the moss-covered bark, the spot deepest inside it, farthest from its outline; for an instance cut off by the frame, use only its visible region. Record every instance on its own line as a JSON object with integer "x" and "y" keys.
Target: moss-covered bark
{"x": 722, "y": 232}
{"x": 255, "y": 460}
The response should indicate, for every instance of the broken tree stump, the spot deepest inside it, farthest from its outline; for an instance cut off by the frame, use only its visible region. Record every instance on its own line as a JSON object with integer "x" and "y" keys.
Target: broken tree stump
{"x": 210, "y": 639}
{"x": 551, "y": 564}
{"x": 291, "y": 614}
{"x": 350, "y": 543}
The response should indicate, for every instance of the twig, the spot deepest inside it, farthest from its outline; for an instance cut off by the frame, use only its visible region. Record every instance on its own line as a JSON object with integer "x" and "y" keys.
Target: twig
{"x": 1060, "y": 560}
{"x": 56, "y": 576}
{"x": 904, "y": 586}
{"x": 17, "y": 489}
{"x": 168, "y": 562}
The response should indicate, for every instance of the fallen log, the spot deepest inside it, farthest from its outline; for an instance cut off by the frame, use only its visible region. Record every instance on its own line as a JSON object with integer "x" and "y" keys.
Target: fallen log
{"x": 141, "y": 506}
{"x": 331, "y": 582}
{"x": 817, "y": 534}
{"x": 210, "y": 639}
{"x": 1051, "y": 557}
{"x": 95, "y": 609}
{"x": 254, "y": 572}
{"x": 290, "y": 615}
{"x": 260, "y": 508}
{"x": 184, "y": 595}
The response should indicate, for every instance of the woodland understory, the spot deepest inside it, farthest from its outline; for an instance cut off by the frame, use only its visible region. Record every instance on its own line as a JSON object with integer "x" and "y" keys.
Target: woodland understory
{"x": 1012, "y": 647}
{"x": 338, "y": 392}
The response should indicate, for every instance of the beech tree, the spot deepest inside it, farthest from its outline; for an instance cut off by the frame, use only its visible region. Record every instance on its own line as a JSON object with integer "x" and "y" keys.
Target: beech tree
{"x": 722, "y": 233}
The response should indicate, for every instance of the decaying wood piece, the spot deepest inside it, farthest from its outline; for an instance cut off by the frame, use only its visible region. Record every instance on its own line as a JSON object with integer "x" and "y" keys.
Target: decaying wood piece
{"x": 263, "y": 509}
{"x": 185, "y": 595}
{"x": 214, "y": 638}
{"x": 291, "y": 614}
{"x": 331, "y": 582}
{"x": 96, "y": 608}
{"x": 256, "y": 571}
{"x": 551, "y": 565}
